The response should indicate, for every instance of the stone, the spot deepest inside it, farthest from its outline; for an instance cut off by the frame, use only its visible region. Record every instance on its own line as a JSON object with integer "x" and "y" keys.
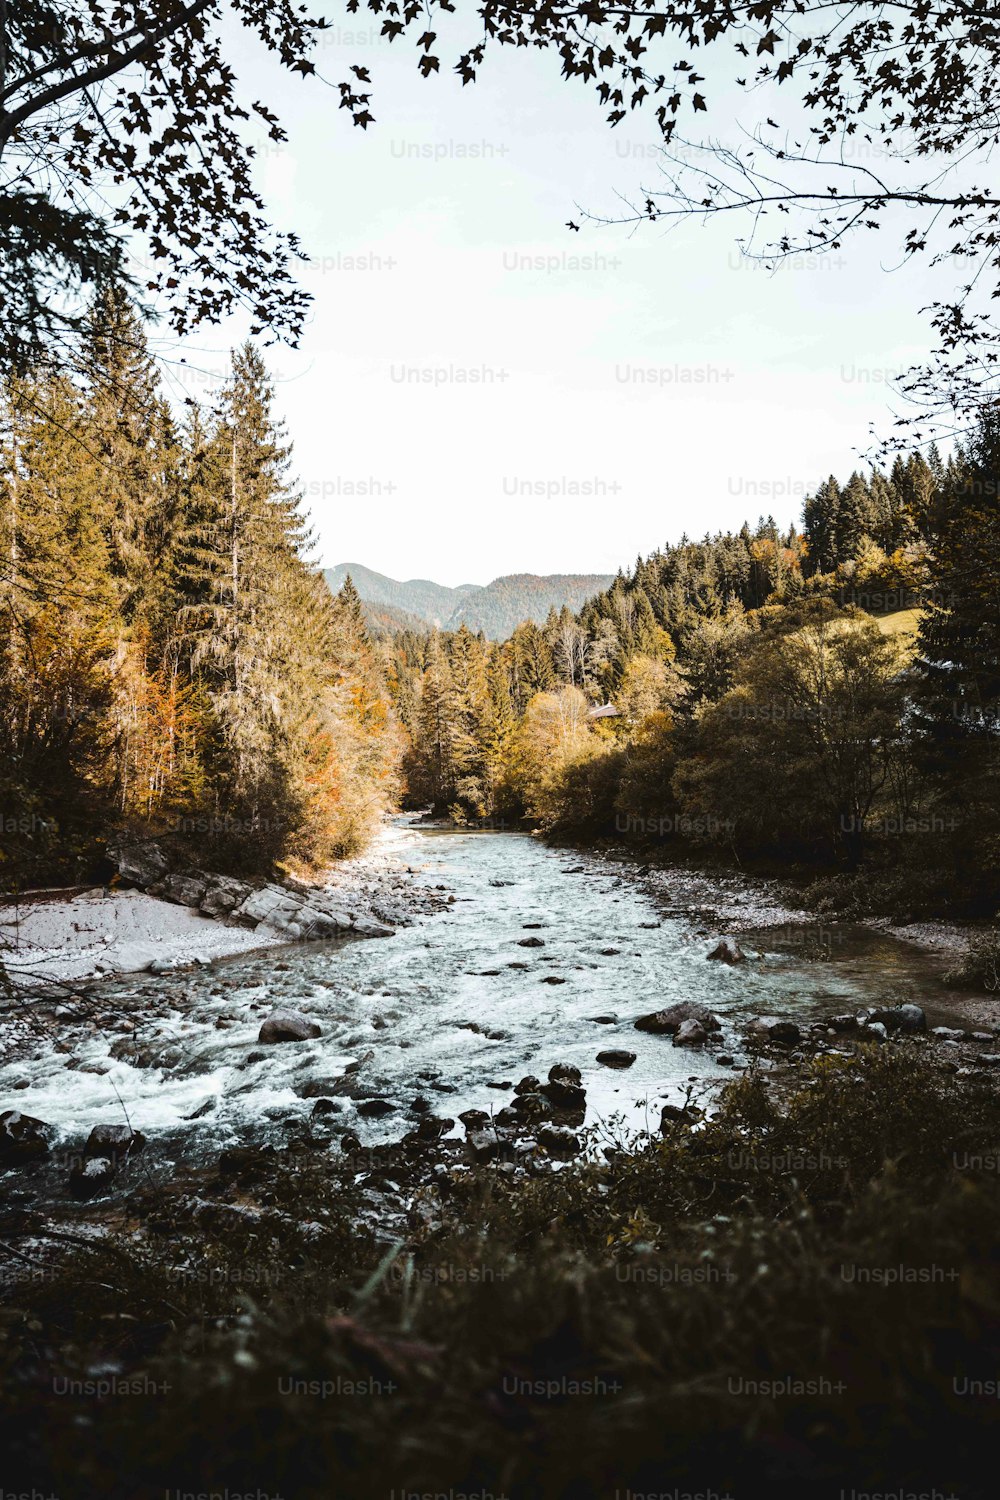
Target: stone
{"x": 909, "y": 1018}
{"x": 23, "y": 1139}
{"x": 114, "y": 1141}
{"x": 327, "y": 1107}
{"x": 690, "y": 1033}
{"x": 666, "y": 1022}
{"x": 528, "y": 1085}
{"x": 728, "y": 952}
{"x": 490, "y": 1145}
{"x": 610, "y": 952}
{"x": 141, "y": 864}
{"x": 90, "y": 1177}
{"x": 553, "y": 979}
{"x": 474, "y": 1119}
{"x": 375, "y": 1108}
{"x": 773, "y": 1029}
{"x": 564, "y": 1073}
{"x": 948, "y": 1033}
{"x": 288, "y": 1026}
{"x": 223, "y": 896}
{"x": 616, "y": 1057}
{"x": 558, "y": 1140}
{"x": 185, "y": 890}
{"x": 725, "y": 1060}
{"x": 567, "y": 1096}
{"x": 675, "y": 1114}
{"x": 532, "y": 942}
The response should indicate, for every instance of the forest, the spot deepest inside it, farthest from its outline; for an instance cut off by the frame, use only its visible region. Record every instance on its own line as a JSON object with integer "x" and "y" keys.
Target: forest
{"x": 172, "y": 661}
{"x": 825, "y": 697}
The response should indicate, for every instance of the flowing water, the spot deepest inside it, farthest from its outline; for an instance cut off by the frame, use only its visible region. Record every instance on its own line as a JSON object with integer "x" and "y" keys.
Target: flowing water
{"x": 450, "y": 1005}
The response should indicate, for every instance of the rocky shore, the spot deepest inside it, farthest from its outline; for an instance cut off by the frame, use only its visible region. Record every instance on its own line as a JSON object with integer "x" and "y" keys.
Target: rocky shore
{"x": 160, "y": 915}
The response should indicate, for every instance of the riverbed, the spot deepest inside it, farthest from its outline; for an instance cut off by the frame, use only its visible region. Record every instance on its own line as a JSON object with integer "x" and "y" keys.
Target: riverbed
{"x": 537, "y": 956}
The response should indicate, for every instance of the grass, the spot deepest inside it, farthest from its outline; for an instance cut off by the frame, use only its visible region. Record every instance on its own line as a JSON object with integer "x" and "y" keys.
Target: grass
{"x": 790, "y": 1299}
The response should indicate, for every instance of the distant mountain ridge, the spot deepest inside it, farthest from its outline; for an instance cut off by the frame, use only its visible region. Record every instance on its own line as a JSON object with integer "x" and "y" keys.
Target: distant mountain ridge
{"x": 494, "y": 608}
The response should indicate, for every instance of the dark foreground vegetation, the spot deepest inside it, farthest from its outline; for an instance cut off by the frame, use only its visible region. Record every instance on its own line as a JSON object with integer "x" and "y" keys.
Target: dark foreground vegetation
{"x": 799, "y": 1295}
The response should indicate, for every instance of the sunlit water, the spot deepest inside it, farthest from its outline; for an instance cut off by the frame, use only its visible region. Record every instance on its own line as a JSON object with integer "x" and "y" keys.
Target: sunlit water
{"x": 454, "y": 1001}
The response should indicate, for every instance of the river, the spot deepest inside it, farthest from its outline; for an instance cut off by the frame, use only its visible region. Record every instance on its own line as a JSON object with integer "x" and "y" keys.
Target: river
{"x": 450, "y": 1006}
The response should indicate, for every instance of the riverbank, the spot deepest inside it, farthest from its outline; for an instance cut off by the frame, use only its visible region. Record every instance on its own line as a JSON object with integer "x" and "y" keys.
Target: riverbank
{"x": 737, "y": 1305}
{"x": 91, "y": 935}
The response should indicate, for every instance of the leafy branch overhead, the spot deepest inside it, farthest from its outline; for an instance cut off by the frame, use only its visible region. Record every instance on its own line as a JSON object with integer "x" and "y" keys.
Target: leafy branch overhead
{"x": 823, "y": 121}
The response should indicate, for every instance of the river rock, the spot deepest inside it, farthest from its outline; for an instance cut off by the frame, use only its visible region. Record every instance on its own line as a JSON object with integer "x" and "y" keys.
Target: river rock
{"x": 491, "y": 1145}
{"x": 666, "y": 1022}
{"x": 876, "y": 1030}
{"x": 690, "y": 1033}
{"x": 616, "y": 1057}
{"x": 114, "y": 1141}
{"x": 909, "y": 1018}
{"x": 553, "y": 979}
{"x": 773, "y": 1029}
{"x": 728, "y": 952}
{"x": 676, "y": 1114}
{"x": 532, "y": 942}
{"x": 90, "y": 1177}
{"x": 558, "y": 1140}
{"x": 288, "y": 1026}
{"x": 474, "y": 1119}
{"x": 563, "y": 1088}
{"x": 22, "y": 1138}
{"x": 375, "y": 1108}
{"x": 528, "y": 1085}
{"x": 327, "y": 1107}
{"x": 948, "y": 1033}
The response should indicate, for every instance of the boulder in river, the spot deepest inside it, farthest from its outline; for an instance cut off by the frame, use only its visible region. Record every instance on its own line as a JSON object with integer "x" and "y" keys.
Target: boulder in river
{"x": 114, "y": 1140}
{"x": 909, "y": 1018}
{"x": 92, "y": 1176}
{"x": 288, "y": 1026}
{"x": 491, "y": 1144}
{"x": 528, "y": 1085}
{"x": 375, "y": 1108}
{"x": 107, "y": 1148}
{"x": 666, "y": 1022}
{"x": 532, "y": 942}
{"x": 728, "y": 951}
{"x": 616, "y": 1057}
{"x": 22, "y": 1139}
{"x": 773, "y": 1029}
{"x": 676, "y": 1114}
{"x": 563, "y": 1088}
{"x": 558, "y": 1140}
{"x": 690, "y": 1033}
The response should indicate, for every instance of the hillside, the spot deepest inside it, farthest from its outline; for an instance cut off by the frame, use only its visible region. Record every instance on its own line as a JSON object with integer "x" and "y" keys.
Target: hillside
{"x": 494, "y": 608}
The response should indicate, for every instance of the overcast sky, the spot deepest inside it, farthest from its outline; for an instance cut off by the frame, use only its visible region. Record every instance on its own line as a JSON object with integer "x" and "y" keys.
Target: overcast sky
{"x": 483, "y": 391}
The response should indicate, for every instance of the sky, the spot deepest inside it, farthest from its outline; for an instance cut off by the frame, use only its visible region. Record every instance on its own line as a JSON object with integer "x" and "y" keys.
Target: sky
{"x": 481, "y": 390}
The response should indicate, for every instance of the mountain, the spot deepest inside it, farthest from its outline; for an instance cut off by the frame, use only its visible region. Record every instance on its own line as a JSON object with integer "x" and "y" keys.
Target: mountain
{"x": 494, "y": 608}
